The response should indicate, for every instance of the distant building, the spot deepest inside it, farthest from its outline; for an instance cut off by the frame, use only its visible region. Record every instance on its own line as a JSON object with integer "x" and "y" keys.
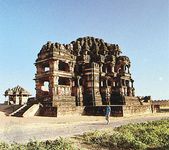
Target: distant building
{"x": 17, "y": 96}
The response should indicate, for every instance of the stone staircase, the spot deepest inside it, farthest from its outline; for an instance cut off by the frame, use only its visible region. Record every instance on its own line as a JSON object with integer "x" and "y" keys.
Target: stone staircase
{"x": 19, "y": 112}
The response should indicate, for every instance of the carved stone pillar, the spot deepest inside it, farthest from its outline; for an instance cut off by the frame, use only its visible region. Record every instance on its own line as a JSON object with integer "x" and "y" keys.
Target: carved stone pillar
{"x": 133, "y": 92}
{"x": 39, "y": 69}
{"x": 132, "y": 81}
{"x": 105, "y": 69}
{"x": 128, "y": 70}
{"x": 54, "y": 65}
{"x": 129, "y": 92}
{"x": 51, "y": 85}
{"x": 56, "y": 85}
{"x": 38, "y": 85}
{"x": 124, "y": 81}
{"x": 125, "y": 91}
{"x": 71, "y": 84}
{"x": 114, "y": 84}
{"x": 78, "y": 81}
{"x": 127, "y": 83}
{"x": 101, "y": 69}
{"x": 121, "y": 83}
{"x": 121, "y": 91}
{"x": 112, "y": 67}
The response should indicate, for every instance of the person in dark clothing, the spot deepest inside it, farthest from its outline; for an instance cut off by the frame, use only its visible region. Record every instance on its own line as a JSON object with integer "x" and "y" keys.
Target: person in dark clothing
{"x": 107, "y": 113}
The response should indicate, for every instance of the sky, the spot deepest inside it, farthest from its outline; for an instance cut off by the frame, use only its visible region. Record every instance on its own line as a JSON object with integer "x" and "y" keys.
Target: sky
{"x": 140, "y": 27}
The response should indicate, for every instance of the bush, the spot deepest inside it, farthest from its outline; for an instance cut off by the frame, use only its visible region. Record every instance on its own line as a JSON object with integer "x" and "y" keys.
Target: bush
{"x": 150, "y": 135}
{"x": 3, "y": 146}
{"x": 58, "y": 144}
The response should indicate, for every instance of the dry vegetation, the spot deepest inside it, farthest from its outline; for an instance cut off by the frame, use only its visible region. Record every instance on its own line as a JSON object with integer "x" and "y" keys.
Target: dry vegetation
{"x": 151, "y": 135}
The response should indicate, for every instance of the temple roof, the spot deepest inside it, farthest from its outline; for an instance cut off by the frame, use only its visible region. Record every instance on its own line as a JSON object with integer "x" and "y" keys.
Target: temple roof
{"x": 86, "y": 45}
{"x": 18, "y": 90}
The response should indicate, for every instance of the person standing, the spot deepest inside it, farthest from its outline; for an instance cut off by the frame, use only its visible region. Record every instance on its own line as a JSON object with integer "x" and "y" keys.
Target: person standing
{"x": 107, "y": 114}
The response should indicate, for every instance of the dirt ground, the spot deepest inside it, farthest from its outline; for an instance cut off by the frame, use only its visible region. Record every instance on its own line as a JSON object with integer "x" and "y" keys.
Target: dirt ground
{"x": 21, "y": 130}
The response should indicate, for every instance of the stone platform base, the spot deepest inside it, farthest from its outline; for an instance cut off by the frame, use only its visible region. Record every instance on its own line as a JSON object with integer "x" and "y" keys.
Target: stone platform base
{"x": 118, "y": 110}
{"x": 48, "y": 111}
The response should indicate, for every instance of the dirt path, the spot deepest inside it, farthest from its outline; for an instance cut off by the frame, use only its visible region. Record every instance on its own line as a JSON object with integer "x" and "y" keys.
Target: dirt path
{"x": 42, "y": 128}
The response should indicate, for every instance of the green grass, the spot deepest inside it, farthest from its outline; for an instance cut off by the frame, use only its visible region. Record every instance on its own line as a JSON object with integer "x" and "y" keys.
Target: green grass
{"x": 151, "y": 135}
{"x": 142, "y": 136}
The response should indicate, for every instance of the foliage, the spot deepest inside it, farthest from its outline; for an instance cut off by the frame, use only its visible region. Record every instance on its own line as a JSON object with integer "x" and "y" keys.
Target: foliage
{"x": 150, "y": 135}
{"x": 58, "y": 144}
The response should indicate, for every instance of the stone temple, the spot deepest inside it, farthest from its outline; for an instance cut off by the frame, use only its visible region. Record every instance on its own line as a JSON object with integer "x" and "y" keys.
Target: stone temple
{"x": 83, "y": 77}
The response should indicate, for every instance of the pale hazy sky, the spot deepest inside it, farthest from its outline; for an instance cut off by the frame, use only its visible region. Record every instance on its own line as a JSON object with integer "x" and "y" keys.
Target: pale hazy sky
{"x": 140, "y": 27}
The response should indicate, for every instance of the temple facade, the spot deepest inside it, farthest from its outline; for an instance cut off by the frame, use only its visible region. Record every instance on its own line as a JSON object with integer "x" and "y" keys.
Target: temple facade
{"x": 16, "y": 96}
{"x": 86, "y": 72}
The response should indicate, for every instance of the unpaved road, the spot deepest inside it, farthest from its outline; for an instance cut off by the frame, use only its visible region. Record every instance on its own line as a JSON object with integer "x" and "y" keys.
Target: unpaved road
{"x": 22, "y": 130}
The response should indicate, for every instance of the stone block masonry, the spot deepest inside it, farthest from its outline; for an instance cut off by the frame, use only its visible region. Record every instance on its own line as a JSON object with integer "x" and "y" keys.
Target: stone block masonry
{"x": 88, "y": 72}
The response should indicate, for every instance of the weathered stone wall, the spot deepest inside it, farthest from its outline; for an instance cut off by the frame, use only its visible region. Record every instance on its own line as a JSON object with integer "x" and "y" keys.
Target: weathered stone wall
{"x": 131, "y": 101}
{"x": 48, "y": 111}
{"x": 65, "y": 110}
{"x": 136, "y": 109}
{"x": 118, "y": 110}
{"x": 162, "y": 103}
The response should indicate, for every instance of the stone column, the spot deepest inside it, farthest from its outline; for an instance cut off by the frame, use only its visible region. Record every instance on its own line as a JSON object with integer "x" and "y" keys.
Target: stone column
{"x": 132, "y": 81}
{"x": 54, "y": 65}
{"x": 78, "y": 91}
{"x": 128, "y": 69}
{"x": 105, "y": 67}
{"x": 56, "y": 85}
{"x": 114, "y": 84}
{"x": 78, "y": 81}
{"x": 112, "y": 67}
{"x": 106, "y": 81}
{"x": 71, "y": 84}
{"x": 101, "y": 65}
{"x": 127, "y": 83}
{"x": 124, "y": 82}
{"x": 38, "y": 87}
{"x": 39, "y": 69}
{"x": 133, "y": 92}
{"x": 121, "y": 83}
{"x": 129, "y": 92}
{"x": 122, "y": 91}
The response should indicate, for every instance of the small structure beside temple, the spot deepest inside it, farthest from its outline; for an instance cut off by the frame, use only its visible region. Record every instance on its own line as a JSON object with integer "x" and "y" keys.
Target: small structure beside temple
{"x": 85, "y": 75}
{"x": 16, "y": 96}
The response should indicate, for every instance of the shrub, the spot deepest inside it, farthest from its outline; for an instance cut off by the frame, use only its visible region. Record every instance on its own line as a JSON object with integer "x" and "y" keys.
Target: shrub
{"x": 58, "y": 144}
{"x": 148, "y": 135}
{"x": 4, "y": 146}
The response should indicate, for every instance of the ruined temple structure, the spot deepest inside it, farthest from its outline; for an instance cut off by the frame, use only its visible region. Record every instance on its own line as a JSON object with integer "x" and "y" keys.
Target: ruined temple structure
{"x": 16, "y": 96}
{"x": 87, "y": 73}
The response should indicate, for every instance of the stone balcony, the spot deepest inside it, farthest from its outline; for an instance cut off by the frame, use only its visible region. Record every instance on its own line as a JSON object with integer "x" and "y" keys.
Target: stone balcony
{"x": 60, "y": 72}
{"x": 43, "y": 74}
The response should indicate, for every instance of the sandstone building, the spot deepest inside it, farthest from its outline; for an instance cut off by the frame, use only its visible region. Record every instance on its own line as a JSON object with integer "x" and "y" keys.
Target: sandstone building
{"x": 17, "y": 96}
{"x": 87, "y": 73}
